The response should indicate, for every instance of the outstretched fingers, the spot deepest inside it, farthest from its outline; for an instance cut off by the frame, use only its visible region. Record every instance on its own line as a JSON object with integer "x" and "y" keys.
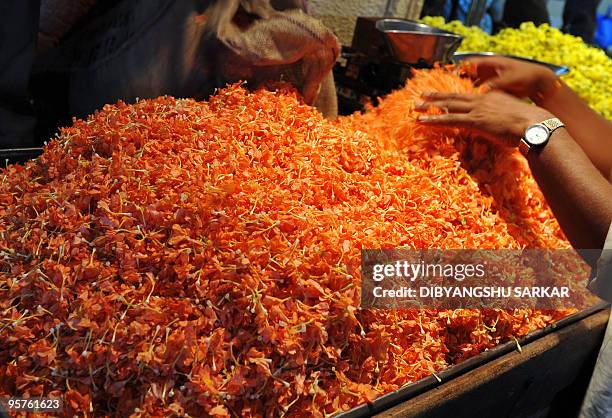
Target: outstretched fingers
{"x": 447, "y": 119}
{"x": 448, "y": 106}
{"x": 434, "y": 95}
{"x": 447, "y": 102}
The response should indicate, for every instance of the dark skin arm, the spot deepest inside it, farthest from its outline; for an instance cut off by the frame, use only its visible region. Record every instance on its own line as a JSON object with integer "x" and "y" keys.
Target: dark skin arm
{"x": 577, "y": 192}
{"x": 579, "y": 195}
{"x": 590, "y": 130}
{"x": 527, "y": 80}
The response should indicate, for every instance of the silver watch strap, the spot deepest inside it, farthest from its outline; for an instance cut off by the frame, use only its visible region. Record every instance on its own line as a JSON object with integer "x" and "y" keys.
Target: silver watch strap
{"x": 552, "y": 124}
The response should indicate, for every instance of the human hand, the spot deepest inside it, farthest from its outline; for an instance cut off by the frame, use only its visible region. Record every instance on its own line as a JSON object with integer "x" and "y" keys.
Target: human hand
{"x": 520, "y": 78}
{"x": 496, "y": 116}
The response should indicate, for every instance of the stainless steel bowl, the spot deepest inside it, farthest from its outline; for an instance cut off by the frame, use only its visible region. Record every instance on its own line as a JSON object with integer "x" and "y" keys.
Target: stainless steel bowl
{"x": 558, "y": 69}
{"x": 416, "y": 43}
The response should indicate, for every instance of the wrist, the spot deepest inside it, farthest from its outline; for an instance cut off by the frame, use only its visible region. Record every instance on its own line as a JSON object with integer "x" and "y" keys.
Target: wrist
{"x": 537, "y": 135}
{"x": 535, "y": 116}
{"x": 538, "y": 116}
{"x": 546, "y": 86}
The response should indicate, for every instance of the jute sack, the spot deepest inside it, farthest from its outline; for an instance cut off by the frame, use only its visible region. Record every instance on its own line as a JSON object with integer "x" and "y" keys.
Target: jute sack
{"x": 185, "y": 48}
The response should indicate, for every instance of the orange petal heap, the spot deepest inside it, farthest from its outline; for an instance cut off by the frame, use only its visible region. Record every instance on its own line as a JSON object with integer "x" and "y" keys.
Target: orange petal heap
{"x": 174, "y": 256}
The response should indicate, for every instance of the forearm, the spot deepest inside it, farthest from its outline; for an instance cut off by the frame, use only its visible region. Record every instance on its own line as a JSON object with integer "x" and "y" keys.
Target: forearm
{"x": 590, "y": 130}
{"x": 578, "y": 194}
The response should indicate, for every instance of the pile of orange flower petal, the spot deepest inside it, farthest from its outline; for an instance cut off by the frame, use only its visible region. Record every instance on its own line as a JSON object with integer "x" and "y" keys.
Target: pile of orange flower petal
{"x": 175, "y": 256}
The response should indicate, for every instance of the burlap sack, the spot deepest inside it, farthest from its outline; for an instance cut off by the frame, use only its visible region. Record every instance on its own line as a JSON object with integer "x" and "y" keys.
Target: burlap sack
{"x": 184, "y": 48}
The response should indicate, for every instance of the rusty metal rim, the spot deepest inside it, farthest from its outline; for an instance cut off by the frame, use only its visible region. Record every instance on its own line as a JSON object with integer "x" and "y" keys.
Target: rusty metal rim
{"x": 417, "y": 388}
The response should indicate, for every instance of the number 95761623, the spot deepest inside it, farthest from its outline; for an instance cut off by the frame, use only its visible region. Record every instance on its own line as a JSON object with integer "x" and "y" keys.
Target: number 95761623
{"x": 35, "y": 404}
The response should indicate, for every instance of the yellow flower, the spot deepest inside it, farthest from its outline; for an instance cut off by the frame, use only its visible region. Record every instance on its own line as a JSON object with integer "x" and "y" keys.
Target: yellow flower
{"x": 590, "y": 66}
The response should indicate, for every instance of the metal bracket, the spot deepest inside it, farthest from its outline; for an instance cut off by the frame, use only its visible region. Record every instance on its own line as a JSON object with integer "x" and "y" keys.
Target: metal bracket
{"x": 476, "y": 12}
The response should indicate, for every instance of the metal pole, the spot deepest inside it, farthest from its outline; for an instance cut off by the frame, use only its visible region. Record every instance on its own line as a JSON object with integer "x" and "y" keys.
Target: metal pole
{"x": 415, "y": 7}
{"x": 476, "y": 12}
{"x": 388, "y": 8}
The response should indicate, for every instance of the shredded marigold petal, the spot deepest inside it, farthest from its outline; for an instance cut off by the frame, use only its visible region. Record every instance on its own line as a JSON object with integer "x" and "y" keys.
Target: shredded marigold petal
{"x": 174, "y": 256}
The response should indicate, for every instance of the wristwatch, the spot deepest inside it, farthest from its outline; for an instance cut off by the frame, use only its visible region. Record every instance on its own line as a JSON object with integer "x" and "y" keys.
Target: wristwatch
{"x": 536, "y": 136}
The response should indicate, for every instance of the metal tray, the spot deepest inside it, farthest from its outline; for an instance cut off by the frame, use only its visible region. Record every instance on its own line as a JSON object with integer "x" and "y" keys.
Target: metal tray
{"x": 416, "y": 388}
{"x": 557, "y": 69}
{"x": 413, "y": 42}
{"x": 18, "y": 155}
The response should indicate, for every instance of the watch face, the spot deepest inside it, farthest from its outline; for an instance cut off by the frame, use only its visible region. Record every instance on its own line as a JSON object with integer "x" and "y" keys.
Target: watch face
{"x": 536, "y": 135}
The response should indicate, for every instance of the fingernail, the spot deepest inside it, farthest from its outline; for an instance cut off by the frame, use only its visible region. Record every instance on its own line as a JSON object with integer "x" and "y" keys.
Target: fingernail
{"x": 422, "y": 118}
{"x": 419, "y": 105}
